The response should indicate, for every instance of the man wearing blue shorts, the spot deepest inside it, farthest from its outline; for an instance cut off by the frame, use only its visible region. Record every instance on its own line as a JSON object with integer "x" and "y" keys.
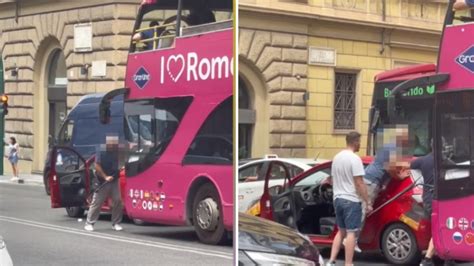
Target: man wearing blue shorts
{"x": 347, "y": 173}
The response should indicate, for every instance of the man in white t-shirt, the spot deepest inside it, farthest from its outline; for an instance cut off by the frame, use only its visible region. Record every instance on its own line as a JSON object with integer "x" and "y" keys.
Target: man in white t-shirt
{"x": 347, "y": 173}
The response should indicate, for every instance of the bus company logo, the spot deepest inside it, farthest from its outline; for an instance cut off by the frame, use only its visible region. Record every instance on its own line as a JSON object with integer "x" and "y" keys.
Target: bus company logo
{"x": 450, "y": 223}
{"x": 463, "y": 224}
{"x": 194, "y": 68}
{"x": 457, "y": 238}
{"x": 466, "y": 59}
{"x": 141, "y": 77}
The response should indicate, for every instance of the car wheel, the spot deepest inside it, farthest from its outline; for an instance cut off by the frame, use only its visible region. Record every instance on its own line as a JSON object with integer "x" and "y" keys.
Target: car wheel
{"x": 75, "y": 212}
{"x": 399, "y": 245}
{"x": 46, "y": 183}
{"x": 207, "y": 216}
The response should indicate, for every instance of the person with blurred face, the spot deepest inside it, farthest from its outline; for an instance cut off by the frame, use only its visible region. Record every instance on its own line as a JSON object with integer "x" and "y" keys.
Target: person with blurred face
{"x": 463, "y": 4}
{"x": 107, "y": 171}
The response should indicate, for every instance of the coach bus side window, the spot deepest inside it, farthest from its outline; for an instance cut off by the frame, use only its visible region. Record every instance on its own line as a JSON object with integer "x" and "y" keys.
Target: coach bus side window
{"x": 213, "y": 143}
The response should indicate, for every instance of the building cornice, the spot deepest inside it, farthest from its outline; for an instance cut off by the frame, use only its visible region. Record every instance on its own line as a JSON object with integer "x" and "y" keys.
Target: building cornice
{"x": 345, "y": 20}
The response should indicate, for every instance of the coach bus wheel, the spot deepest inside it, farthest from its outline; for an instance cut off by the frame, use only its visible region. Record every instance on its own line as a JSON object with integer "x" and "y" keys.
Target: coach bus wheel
{"x": 207, "y": 216}
{"x": 75, "y": 212}
{"x": 399, "y": 245}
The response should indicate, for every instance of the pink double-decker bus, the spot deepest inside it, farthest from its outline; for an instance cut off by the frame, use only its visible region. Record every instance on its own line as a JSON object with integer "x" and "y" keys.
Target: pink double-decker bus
{"x": 452, "y": 220}
{"x": 178, "y": 118}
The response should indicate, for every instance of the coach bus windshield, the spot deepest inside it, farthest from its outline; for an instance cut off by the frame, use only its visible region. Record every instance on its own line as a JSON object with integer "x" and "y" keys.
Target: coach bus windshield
{"x": 151, "y": 124}
{"x": 413, "y": 110}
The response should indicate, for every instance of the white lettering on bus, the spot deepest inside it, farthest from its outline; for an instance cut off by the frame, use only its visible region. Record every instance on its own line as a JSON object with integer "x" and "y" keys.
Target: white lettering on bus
{"x": 195, "y": 68}
{"x": 192, "y": 64}
{"x": 220, "y": 63}
{"x": 466, "y": 59}
{"x": 204, "y": 74}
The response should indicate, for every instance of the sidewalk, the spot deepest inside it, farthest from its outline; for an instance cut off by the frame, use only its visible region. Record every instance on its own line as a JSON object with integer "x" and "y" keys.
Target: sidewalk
{"x": 29, "y": 179}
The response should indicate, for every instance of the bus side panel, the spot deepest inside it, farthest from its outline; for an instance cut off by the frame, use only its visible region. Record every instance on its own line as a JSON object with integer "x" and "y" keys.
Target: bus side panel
{"x": 453, "y": 228}
{"x": 455, "y": 57}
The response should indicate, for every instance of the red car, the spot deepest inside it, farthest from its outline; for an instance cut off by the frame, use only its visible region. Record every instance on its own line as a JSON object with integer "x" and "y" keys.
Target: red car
{"x": 398, "y": 225}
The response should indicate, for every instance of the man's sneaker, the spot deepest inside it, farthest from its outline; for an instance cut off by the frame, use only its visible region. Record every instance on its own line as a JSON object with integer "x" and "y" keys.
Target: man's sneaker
{"x": 89, "y": 227}
{"x": 331, "y": 263}
{"x": 356, "y": 248}
{"x": 117, "y": 227}
{"x": 427, "y": 262}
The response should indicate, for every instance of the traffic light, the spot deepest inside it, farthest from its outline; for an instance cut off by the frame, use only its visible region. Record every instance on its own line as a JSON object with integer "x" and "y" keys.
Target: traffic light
{"x": 4, "y": 102}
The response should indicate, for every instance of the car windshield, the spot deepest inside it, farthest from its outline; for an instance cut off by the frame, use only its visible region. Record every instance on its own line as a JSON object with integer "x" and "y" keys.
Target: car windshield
{"x": 315, "y": 178}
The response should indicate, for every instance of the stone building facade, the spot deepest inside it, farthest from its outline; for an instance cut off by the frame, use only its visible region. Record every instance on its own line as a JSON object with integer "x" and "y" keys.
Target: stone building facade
{"x": 292, "y": 109}
{"x": 45, "y": 76}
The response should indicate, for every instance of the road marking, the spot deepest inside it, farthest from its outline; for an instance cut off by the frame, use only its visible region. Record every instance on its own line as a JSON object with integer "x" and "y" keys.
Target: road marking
{"x": 163, "y": 245}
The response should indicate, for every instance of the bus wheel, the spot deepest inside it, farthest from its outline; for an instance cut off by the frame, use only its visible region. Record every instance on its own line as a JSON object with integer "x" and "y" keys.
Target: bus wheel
{"x": 399, "y": 245}
{"x": 207, "y": 216}
{"x": 75, "y": 212}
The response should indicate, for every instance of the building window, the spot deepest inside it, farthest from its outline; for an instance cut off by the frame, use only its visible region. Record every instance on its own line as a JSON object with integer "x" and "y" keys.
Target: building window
{"x": 246, "y": 121}
{"x": 344, "y": 101}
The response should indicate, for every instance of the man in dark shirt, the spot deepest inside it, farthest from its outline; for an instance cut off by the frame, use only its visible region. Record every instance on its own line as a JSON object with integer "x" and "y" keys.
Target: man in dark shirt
{"x": 107, "y": 171}
{"x": 426, "y": 165}
{"x": 148, "y": 34}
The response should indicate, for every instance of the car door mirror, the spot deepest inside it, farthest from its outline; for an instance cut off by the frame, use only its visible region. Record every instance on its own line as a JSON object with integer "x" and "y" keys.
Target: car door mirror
{"x": 275, "y": 190}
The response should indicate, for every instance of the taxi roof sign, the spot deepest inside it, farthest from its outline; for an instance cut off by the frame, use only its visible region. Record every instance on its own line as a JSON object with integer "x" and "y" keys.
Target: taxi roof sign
{"x": 271, "y": 156}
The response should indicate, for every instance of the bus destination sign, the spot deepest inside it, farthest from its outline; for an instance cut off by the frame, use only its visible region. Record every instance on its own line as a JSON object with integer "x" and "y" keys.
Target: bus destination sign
{"x": 414, "y": 92}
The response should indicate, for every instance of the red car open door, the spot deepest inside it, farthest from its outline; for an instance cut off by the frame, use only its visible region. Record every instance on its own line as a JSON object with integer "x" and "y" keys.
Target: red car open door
{"x": 69, "y": 178}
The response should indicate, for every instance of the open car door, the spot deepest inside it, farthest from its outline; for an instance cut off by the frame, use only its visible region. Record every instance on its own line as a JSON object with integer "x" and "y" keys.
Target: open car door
{"x": 280, "y": 198}
{"x": 68, "y": 179}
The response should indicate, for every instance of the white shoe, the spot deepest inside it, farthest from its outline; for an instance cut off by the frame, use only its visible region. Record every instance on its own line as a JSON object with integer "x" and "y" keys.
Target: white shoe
{"x": 330, "y": 263}
{"x": 15, "y": 179}
{"x": 117, "y": 227}
{"x": 89, "y": 227}
{"x": 356, "y": 248}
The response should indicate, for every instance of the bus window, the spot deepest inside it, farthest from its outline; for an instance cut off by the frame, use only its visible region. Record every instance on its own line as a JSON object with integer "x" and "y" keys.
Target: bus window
{"x": 151, "y": 125}
{"x": 455, "y": 135}
{"x": 213, "y": 143}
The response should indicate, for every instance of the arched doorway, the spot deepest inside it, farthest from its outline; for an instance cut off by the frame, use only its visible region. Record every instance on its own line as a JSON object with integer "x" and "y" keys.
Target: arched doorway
{"x": 246, "y": 121}
{"x": 57, "y": 91}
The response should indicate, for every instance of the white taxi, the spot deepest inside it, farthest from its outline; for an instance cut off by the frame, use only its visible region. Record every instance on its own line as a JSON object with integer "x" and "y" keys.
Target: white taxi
{"x": 252, "y": 176}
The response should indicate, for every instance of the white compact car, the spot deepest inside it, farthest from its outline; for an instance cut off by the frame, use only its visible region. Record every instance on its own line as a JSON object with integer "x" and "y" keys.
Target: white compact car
{"x": 5, "y": 259}
{"x": 252, "y": 175}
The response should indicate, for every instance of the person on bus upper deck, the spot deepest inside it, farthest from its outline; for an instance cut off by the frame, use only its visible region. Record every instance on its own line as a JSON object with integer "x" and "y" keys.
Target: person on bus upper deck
{"x": 148, "y": 34}
{"x": 463, "y": 4}
{"x": 107, "y": 161}
{"x": 198, "y": 16}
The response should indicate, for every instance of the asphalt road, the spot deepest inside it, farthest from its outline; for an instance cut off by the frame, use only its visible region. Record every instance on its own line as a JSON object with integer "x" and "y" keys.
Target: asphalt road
{"x": 35, "y": 234}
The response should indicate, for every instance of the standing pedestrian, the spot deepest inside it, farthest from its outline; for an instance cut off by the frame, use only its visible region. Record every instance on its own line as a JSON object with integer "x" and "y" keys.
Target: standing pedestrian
{"x": 12, "y": 155}
{"x": 348, "y": 187}
{"x": 107, "y": 171}
{"x": 426, "y": 165}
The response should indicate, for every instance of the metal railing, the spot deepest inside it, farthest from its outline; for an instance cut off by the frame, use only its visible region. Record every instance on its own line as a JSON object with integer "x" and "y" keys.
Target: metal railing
{"x": 156, "y": 38}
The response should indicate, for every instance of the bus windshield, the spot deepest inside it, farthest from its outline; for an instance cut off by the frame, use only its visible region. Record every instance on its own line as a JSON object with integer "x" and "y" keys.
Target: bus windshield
{"x": 151, "y": 124}
{"x": 415, "y": 111}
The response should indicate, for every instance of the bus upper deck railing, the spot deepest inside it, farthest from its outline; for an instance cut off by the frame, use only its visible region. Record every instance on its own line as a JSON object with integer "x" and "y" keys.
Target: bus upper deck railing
{"x": 185, "y": 31}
